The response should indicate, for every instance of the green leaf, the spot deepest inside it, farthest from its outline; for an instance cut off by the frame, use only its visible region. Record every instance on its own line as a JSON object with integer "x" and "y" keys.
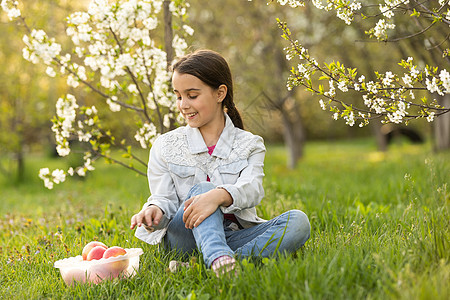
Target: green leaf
{"x": 415, "y": 13}
{"x": 321, "y": 89}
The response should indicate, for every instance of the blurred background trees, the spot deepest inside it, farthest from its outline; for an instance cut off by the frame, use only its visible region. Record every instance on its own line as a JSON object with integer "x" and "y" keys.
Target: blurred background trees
{"x": 246, "y": 33}
{"x": 27, "y": 95}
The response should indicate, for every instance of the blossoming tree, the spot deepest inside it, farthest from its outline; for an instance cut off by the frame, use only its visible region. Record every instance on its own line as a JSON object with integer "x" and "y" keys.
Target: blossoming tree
{"x": 119, "y": 55}
{"x": 418, "y": 92}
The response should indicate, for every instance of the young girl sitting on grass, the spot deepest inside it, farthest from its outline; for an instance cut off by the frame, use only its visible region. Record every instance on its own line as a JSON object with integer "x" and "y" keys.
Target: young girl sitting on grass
{"x": 206, "y": 178}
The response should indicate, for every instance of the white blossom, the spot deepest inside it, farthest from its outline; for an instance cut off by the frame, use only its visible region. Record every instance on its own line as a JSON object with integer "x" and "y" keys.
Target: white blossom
{"x": 332, "y": 91}
{"x": 414, "y": 72}
{"x": 381, "y": 27}
{"x": 350, "y": 119}
{"x": 44, "y": 172}
{"x": 444, "y": 76}
{"x": 322, "y": 104}
{"x": 63, "y": 149}
{"x": 355, "y": 6}
{"x": 55, "y": 177}
{"x": 150, "y": 23}
{"x": 407, "y": 80}
{"x": 372, "y": 87}
{"x": 113, "y": 106}
{"x": 188, "y": 29}
{"x": 179, "y": 45}
{"x": 70, "y": 171}
{"x": 81, "y": 73}
{"x": 58, "y": 176}
{"x": 343, "y": 86}
{"x": 388, "y": 79}
{"x": 291, "y": 3}
{"x": 81, "y": 172}
{"x": 146, "y": 134}
{"x": 50, "y": 71}
{"x": 48, "y": 184}
{"x": 84, "y": 136}
{"x": 132, "y": 88}
{"x": 63, "y": 126}
{"x": 166, "y": 121}
{"x": 432, "y": 85}
{"x": 88, "y": 165}
{"x": 10, "y": 7}
{"x": 386, "y": 11}
{"x": 303, "y": 71}
{"x": 72, "y": 81}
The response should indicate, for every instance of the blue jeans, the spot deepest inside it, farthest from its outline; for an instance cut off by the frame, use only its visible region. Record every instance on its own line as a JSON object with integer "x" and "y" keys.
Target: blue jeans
{"x": 285, "y": 233}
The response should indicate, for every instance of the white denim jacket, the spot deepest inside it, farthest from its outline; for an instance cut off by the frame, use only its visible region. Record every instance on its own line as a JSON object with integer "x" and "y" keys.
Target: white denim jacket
{"x": 179, "y": 159}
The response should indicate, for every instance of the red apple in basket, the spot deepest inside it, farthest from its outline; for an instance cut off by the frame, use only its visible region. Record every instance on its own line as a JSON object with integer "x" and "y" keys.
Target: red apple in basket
{"x": 89, "y": 247}
{"x": 116, "y": 267}
{"x": 96, "y": 253}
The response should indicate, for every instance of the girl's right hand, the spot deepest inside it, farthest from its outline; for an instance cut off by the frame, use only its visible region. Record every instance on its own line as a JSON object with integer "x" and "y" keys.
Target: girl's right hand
{"x": 150, "y": 215}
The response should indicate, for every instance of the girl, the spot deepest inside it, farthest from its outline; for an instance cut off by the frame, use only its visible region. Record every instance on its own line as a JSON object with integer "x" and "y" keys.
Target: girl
{"x": 206, "y": 178}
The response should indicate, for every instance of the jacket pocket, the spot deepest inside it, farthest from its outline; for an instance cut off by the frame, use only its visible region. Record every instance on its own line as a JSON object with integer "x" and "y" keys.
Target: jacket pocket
{"x": 231, "y": 172}
{"x": 183, "y": 178}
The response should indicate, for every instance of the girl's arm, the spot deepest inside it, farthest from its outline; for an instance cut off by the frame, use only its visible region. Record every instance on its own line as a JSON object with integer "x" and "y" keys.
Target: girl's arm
{"x": 248, "y": 190}
{"x": 162, "y": 187}
{"x": 198, "y": 208}
{"x": 163, "y": 199}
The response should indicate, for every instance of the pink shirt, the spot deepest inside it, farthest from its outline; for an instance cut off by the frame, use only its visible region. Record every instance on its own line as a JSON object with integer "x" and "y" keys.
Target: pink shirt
{"x": 210, "y": 151}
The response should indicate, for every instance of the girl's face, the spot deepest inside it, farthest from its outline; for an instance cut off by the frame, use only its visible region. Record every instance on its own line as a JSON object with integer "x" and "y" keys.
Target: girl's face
{"x": 198, "y": 103}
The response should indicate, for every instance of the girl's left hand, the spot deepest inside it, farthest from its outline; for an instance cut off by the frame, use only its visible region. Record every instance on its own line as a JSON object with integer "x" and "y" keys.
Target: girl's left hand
{"x": 198, "y": 208}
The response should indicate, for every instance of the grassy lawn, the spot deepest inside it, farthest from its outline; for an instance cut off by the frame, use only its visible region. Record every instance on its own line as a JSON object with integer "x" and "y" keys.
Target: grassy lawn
{"x": 380, "y": 230}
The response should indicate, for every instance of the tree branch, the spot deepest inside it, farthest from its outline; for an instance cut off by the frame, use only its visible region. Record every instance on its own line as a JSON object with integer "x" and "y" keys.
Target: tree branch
{"x": 121, "y": 163}
{"x": 144, "y": 104}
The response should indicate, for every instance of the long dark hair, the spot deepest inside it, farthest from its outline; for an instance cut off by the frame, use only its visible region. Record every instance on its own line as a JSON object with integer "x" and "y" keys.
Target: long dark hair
{"x": 211, "y": 68}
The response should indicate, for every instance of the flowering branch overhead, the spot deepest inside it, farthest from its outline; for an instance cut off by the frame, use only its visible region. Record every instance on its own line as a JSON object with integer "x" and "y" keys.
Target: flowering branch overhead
{"x": 386, "y": 97}
{"x": 117, "y": 55}
{"x": 394, "y": 98}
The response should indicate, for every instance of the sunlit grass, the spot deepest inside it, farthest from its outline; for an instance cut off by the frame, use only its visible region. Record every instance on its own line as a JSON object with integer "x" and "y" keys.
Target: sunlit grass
{"x": 380, "y": 229}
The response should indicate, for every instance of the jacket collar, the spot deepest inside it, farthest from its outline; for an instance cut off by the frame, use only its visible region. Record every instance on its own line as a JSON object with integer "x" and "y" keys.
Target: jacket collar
{"x": 197, "y": 145}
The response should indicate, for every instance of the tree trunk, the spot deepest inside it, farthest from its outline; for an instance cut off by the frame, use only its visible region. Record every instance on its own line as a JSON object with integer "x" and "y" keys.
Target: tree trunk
{"x": 442, "y": 127}
{"x": 289, "y": 108}
{"x": 168, "y": 48}
{"x": 294, "y": 134}
{"x": 20, "y": 162}
{"x": 17, "y": 128}
{"x": 168, "y": 33}
{"x": 379, "y": 136}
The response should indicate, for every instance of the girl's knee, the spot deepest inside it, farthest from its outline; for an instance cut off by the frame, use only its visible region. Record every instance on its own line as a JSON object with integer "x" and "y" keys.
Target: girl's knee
{"x": 205, "y": 185}
{"x": 200, "y": 188}
{"x": 298, "y": 223}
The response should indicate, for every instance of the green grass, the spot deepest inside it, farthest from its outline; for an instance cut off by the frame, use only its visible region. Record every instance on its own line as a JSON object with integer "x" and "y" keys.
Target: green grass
{"x": 380, "y": 230}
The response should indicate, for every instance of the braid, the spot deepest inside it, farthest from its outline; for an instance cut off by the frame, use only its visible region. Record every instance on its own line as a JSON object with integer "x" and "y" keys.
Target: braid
{"x": 233, "y": 113}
